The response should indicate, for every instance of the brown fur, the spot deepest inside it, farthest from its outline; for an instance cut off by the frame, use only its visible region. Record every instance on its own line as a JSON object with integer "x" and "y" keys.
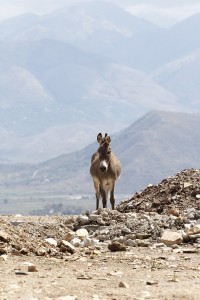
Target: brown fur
{"x": 104, "y": 181}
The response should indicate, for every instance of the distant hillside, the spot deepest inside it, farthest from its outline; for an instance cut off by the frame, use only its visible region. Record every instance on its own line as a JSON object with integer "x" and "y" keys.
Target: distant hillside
{"x": 156, "y": 146}
{"x": 181, "y": 77}
{"x": 151, "y": 50}
{"x": 91, "y": 21}
{"x": 55, "y": 95}
{"x": 86, "y": 68}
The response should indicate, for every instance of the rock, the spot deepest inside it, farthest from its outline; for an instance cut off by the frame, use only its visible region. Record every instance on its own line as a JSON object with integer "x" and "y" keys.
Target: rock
{"x": 84, "y": 276}
{"x": 18, "y": 272}
{"x": 87, "y": 242}
{"x": 3, "y": 249}
{"x": 91, "y": 227}
{"x": 130, "y": 236}
{"x": 65, "y": 246}
{"x": 83, "y": 220}
{"x": 116, "y": 246}
{"x": 100, "y": 221}
{"x": 170, "y": 238}
{"x": 143, "y": 243}
{"x": 94, "y": 217}
{"x": 193, "y": 236}
{"x": 125, "y": 230}
{"x": 51, "y": 241}
{"x": 191, "y": 213}
{"x": 189, "y": 250}
{"x": 32, "y": 268}
{"x": 159, "y": 245}
{"x": 82, "y": 233}
{"x": 69, "y": 235}
{"x": 24, "y": 251}
{"x": 194, "y": 230}
{"x": 17, "y": 222}
{"x": 187, "y": 184}
{"x": 123, "y": 284}
{"x": 152, "y": 282}
{"x": 143, "y": 236}
{"x": 174, "y": 212}
{"x": 131, "y": 243}
{"x": 41, "y": 251}
{"x": 76, "y": 242}
{"x": 4, "y": 237}
{"x": 4, "y": 257}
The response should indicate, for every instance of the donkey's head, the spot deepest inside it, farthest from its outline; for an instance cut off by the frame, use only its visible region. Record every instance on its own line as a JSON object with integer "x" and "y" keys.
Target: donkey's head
{"x": 104, "y": 151}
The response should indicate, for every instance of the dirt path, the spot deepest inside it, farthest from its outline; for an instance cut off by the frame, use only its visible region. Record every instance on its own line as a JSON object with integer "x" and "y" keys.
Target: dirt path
{"x": 145, "y": 274}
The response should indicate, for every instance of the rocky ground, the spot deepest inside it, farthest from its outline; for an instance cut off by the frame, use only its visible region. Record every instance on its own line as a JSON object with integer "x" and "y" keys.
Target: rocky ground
{"x": 148, "y": 248}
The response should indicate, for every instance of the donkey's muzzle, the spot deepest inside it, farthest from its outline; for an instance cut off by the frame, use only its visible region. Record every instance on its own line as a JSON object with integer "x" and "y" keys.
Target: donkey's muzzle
{"x": 103, "y": 166}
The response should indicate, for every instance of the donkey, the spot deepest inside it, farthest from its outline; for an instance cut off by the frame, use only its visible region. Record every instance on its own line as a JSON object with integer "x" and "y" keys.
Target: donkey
{"x": 105, "y": 170}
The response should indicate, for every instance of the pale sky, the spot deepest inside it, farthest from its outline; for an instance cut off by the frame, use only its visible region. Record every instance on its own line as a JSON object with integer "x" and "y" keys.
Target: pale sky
{"x": 162, "y": 12}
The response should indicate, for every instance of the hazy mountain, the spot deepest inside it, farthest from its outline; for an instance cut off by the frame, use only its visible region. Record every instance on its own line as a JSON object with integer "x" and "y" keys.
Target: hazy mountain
{"x": 156, "y": 146}
{"x": 76, "y": 23}
{"x": 181, "y": 77}
{"x": 96, "y": 26}
{"x": 56, "y": 94}
{"x": 68, "y": 74}
{"x": 151, "y": 50}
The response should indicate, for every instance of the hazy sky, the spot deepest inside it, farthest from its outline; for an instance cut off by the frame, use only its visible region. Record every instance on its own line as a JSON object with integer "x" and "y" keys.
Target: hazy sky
{"x": 163, "y": 12}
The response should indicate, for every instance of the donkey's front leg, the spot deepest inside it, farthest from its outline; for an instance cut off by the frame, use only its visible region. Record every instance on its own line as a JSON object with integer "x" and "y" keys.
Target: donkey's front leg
{"x": 112, "y": 197}
{"x": 97, "y": 189}
{"x": 104, "y": 198}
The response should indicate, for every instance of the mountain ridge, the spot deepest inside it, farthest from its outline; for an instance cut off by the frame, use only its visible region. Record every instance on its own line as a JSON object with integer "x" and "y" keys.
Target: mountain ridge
{"x": 101, "y": 72}
{"x": 152, "y": 148}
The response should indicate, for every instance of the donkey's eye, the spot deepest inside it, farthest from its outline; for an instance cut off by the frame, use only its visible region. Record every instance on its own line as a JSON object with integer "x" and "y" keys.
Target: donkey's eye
{"x": 108, "y": 152}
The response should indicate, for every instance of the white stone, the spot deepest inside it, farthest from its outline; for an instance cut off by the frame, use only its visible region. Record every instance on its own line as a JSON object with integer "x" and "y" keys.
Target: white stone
{"x": 51, "y": 241}
{"x": 82, "y": 233}
{"x": 170, "y": 238}
{"x": 95, "y": 242}
{"x": 86, "y": 242}
{"x": 76, "y": 242}
{"x": 83, "y": 220}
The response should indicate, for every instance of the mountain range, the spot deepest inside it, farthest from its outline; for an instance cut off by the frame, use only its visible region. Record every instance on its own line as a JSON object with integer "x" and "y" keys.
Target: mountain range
{"x": 90, "y": 67}
{"x": 155, "y": 146}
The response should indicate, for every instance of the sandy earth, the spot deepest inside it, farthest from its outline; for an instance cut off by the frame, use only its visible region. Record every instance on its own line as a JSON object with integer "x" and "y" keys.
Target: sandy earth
{"x": 146, "y": 274}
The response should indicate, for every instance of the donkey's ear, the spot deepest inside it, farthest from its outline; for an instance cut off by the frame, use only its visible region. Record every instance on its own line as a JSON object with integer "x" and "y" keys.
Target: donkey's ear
{"x": 108, "y": 139}
{"x": 99, "y": 138}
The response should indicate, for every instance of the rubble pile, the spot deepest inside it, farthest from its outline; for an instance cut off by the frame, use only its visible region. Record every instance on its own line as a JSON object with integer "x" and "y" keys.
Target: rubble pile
{"x": 178, "y": 193}
{"x": 167, "y": 215}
